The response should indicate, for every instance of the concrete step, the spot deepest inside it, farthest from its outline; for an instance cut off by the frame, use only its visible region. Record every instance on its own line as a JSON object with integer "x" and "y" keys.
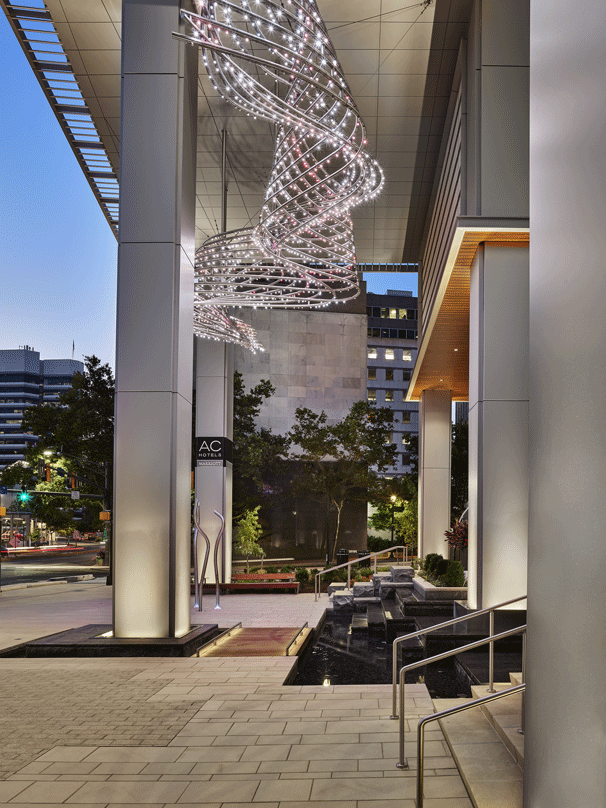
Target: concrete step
{"x": 492, "y": 777}
{"x": 505, "y": 717}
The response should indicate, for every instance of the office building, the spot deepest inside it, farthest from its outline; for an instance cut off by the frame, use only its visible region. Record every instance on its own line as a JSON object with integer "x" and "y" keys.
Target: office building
{"x": 391, "y": 356}
{"x": 25, "y": 381}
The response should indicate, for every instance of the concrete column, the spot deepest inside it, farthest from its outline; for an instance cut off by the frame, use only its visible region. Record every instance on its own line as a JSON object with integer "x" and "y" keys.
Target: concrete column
{"x": 435, "y": 437}
{"x": 214, "y": 428}
{"x": 565, "y": 726}
{"x": 498, "y": 426}
{"x": 154, "y": 333}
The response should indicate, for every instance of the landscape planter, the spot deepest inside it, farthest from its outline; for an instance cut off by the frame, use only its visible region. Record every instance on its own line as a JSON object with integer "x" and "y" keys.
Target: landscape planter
{"x": 426, "y": 591}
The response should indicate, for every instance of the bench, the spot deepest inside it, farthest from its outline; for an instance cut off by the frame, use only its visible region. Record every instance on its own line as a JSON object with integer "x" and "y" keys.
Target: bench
{"x": 260, "y": 580}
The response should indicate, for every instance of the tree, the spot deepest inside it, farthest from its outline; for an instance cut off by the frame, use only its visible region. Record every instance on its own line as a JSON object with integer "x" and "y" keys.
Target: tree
{"x": 80, "y": 433}
{"x": 248, "y": 533}
{"x": 459, "y": 470}
{"x": 342, "y": 462}
{"x": 257, "y": 451}
{"x": 396, "y": 498}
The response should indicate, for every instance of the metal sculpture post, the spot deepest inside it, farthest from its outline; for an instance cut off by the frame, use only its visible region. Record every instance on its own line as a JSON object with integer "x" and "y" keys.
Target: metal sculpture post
{"x": 199, "y": 579}
{"x": 218, "y": 543}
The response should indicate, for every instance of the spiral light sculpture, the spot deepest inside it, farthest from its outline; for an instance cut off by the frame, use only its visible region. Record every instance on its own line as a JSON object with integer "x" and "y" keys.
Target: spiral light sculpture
{"x": 274, "y": 60}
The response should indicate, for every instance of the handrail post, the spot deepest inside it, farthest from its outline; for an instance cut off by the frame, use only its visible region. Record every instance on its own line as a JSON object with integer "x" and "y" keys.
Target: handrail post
{"x": 402, "y": 763}
{"x": 349, "y": 575}
{"x": 420, "y": 760}
{"x": 491, "y": 654}
{"x": 394, "y": 679}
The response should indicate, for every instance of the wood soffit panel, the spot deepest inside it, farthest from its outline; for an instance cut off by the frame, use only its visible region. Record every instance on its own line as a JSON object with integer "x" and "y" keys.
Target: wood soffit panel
{"x": 445, "y": 360}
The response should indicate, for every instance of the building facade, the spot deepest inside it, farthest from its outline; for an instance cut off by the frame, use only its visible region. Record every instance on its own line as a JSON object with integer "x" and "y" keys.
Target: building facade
{"x": 25, "y": 381}
{"x": 391, "y": 356}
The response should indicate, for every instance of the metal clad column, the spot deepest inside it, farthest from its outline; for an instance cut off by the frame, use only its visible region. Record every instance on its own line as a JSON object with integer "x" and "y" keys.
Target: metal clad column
{"x": 214, "y": 435}
{"x": 498, "y": 425}
{"x": 434, "y": 471}
{"x": 155, "y": 308}
{"x": 565, "y": 760}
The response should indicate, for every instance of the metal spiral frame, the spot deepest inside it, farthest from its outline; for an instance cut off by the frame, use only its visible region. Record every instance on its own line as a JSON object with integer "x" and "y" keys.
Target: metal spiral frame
{"x": 274, "y": 60}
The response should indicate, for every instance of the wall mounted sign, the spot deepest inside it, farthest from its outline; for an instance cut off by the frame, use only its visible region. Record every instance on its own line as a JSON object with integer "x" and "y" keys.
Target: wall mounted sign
{"x": 215, "y": 451}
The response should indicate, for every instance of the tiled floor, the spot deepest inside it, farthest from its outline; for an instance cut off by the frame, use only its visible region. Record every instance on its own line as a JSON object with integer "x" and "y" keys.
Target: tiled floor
{"x": 206, "y": 732}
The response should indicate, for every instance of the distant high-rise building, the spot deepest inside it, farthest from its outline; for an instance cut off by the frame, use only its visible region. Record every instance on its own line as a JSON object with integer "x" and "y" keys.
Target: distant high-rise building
{"x": 27, "y": 380}
{"x": 392, "y": 352}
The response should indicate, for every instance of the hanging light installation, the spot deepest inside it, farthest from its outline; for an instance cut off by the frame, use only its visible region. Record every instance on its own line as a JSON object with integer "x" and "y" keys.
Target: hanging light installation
{"x": 274, "y": 60}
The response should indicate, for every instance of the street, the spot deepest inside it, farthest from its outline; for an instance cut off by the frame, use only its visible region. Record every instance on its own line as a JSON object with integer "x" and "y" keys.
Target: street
{"x": 30, "y": 570}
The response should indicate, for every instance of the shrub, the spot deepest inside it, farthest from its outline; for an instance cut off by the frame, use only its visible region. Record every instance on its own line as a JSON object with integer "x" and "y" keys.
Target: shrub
{"x": 375, "y": 544}
{"x": 288, "y": 568}
{"x": 314, "y": 572}
{"x": 440, "y": 567}
{"x": 430, "y": 562}
{"x": 271, "y": 569}
{"x": 454, "y": 575}
{"x": 302, "y": 575}
{"x": 366, "y": 572}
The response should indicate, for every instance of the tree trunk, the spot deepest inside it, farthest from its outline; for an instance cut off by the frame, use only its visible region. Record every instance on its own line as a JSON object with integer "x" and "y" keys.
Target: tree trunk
{"x": 339, "y": 508}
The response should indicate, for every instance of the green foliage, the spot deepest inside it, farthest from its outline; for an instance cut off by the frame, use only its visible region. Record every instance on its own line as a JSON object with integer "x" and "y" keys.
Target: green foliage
{"x": 288, "y": 568}
{"x": 366, "y": 572}
{"x": 257, "y": 450}
{"x": 454, "y": 575}
{"x": 442, "y": 572}
{"x": 396, "y": 506}
{"x": 80, "y": 432}
{"x": 459, "y": 470}
{"x": 339, "y": 463}
{"x": 375, "y": 544}
{"x": 313, "y": 572}
{"x": 248, "y": 533}
{"x": 430, "y": 562}
{"x": 302, "y": 575}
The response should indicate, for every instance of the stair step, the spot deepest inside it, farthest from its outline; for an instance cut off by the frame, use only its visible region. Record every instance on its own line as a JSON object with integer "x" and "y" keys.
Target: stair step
{"x": 359, "y": 622}
{"x": 491, "y": 775}
{"x": 505, "y": 717}
{"x": 374, "y": 614}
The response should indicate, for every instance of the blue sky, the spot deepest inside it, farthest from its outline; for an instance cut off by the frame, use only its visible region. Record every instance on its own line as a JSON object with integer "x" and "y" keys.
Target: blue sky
{"x": 57, "y": 252}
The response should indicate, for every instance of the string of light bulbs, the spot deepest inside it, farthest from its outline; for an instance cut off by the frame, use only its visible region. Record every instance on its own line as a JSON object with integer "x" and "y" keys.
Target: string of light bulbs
{"x": 301, "y": 253}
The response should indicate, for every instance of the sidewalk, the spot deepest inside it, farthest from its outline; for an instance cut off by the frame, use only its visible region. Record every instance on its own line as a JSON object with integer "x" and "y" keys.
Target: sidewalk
{"x": 217, "y": 733}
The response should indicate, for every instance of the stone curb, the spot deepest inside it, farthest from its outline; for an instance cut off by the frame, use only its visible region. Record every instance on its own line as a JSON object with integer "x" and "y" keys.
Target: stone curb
{"x": 67, "y": 580}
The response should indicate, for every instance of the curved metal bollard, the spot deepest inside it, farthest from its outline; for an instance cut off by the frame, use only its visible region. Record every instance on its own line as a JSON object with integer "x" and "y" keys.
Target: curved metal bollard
{"x": 199, "y": 579}
{"x": 220, "y": 537}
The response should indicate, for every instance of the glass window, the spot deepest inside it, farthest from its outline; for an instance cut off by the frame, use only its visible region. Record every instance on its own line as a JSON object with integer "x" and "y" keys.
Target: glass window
{"x": 385, "y": 333}
{"x": 405, "y": 439}
{"x": 372, "y": 373}
{"x": 412, "y": 314}
{"x": 401, "y": 333}
{"x": 402, "y": 314}
{"x": 369, "y": 332}
{"x": 393, "y": 314}
{"x": 376, "y": 311}
{"x": 389, "y": 395}
{"x": 372, "y": 395}
{"x": 369, "y": 311}
{"x": 406, "y": 374}
{"x": 389, "y": 375}
{"x": 389, "y": 354}
{"x": 407, "y": 355}
{"x": 406, "y": 417}
{"x": 393, "y": 333}
{"x": 372, "y": 353}
{"x": 385, "y": 313}
{"x": 376, "y": 332}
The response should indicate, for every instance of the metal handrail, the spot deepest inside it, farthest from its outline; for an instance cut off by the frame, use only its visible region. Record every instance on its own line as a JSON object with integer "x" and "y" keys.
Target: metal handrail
{"x": 296, "y": 637}
{"x": 403, "y": 763}
{"x": 215, "y": 640}
{"x": 444, "y": 714}
{"x": 349, "y": 564}
{"x": 394, "y": 664}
